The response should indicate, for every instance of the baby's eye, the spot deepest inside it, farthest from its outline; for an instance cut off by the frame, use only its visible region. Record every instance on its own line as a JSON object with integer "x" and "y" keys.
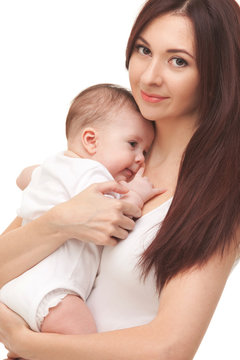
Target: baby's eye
{"x": 142, "y": 50}
{"x": 178, "y": 62}
{"x": 133, "y": 144}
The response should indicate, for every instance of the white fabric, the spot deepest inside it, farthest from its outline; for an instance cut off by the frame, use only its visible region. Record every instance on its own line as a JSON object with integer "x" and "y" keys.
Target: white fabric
{"x": 119, "y": 298}
{"x": 73, "y": 267}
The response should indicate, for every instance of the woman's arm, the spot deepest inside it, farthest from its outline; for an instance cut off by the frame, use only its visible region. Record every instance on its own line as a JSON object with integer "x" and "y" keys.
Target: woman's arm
{"x": 187, "y": 304}
{"x": 89, "y": 216}
{"x": 14, "y": 225}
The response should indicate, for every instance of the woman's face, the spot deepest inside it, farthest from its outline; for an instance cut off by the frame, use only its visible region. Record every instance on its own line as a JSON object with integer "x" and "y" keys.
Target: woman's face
{"x": 163, "y": 73}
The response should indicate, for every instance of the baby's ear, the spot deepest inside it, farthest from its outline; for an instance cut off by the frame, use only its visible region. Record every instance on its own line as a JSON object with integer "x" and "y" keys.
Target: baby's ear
{"x": 89, "y": 140}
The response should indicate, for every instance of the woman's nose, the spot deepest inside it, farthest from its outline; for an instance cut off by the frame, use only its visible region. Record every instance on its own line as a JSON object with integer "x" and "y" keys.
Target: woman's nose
{"x": 152, "y": 74}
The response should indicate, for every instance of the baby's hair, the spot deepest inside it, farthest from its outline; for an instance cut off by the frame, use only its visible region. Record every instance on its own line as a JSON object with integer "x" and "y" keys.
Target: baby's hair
{"x": 94, "y": 104}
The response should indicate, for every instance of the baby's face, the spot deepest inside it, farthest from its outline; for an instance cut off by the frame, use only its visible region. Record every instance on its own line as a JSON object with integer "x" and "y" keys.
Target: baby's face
{"x": 124, "y": 143}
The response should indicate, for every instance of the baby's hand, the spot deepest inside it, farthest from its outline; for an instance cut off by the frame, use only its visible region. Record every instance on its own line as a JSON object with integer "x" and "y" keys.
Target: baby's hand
{"x": 142, "y": 186}
{"x": 24, "y": 177}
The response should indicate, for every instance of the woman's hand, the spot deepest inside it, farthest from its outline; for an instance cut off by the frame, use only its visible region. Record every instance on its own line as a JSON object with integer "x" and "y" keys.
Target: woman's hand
{"x": 101, "y": 221}
{"x": 92, "y": 217}
{"x": 12, "y": 329}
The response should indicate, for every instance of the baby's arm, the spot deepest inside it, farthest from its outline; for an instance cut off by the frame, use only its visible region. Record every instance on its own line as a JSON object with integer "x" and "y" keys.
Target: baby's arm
{"x": 140, "y": 189}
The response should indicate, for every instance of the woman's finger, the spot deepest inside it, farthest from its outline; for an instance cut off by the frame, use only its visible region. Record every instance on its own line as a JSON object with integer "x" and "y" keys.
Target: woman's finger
{"x": 158, "y": 191}
{"x": 126, "y": 223}
{"x": 120, "y": 233}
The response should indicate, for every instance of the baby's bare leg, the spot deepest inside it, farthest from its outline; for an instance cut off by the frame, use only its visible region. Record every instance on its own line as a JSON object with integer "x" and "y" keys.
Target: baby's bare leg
{"x": 70, "y": 316}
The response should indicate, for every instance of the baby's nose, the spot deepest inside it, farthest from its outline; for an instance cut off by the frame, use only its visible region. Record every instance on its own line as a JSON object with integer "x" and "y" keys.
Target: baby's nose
{"x": 140, "y": 158}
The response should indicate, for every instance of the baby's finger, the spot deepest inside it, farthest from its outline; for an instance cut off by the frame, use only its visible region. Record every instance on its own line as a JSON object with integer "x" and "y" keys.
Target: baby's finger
{"x": 122, "y": 182}
{"x": 12, "y": 355}
{"x": 110, "y": 186}
{"x": 140, "y": 171}
{"x": 157, "y": 191}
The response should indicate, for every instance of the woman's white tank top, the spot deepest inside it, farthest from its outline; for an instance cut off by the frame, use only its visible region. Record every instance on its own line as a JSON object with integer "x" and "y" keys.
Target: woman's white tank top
{"x": 120, "y": 298}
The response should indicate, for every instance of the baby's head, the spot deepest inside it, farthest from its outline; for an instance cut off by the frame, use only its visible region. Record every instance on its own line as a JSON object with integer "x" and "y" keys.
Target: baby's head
{"x": 105, "y": 124}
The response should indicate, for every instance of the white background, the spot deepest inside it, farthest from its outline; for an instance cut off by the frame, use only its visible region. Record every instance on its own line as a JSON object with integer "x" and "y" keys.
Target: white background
{"x": 51, "y": 50}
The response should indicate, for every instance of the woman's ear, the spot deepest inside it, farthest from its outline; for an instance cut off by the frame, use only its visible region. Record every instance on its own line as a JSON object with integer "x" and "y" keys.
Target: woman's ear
{"x": 89, "y": 140}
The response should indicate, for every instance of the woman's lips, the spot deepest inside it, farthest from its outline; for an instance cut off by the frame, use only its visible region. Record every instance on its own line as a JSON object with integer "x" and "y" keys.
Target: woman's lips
{"x": 152, "y": 98}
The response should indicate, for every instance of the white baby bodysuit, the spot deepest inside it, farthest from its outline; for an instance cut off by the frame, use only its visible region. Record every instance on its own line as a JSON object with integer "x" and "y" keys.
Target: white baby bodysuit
{"x": 73, "y": 267}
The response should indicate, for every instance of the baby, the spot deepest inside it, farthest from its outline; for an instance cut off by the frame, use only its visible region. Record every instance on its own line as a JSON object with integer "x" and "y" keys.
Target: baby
{"x": 107, "y": 139}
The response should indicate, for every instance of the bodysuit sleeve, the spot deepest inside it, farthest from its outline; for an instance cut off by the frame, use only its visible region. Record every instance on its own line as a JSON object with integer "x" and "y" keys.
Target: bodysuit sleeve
{"x": 57, "y": 180}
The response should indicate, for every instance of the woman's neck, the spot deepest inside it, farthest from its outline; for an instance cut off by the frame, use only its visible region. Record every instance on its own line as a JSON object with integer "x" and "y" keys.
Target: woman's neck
{"x": 171, "y": 140}
{"x": 163, "y": 162}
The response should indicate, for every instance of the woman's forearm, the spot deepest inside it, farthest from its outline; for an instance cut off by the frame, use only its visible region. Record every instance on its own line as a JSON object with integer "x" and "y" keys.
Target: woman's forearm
{"x": 138, "y": 343}
{"x": 23, "y": 247}
{"x": 14, "y": 225}
{"x": 186, "y": 307}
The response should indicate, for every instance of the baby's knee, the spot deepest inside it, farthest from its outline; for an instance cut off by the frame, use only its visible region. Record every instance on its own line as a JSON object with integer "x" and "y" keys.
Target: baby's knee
{"x": 70, "y": 316}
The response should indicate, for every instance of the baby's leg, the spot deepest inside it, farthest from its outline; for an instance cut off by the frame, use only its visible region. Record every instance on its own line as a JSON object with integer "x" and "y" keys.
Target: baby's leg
{"x": 70, "y": 316}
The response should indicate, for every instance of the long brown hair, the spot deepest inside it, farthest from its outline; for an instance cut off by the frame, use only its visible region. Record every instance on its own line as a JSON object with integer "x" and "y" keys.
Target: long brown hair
{"x": 205, "y": 211}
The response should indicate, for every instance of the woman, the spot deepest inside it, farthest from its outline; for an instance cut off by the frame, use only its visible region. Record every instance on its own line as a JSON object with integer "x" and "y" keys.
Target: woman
{"x": 184, "y": 67}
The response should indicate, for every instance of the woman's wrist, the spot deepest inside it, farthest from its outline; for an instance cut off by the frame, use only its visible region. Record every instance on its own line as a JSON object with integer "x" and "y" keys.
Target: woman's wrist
{"x": 59, "y": 223}
{"x": 50, "y": 225}
{"x": 37, "y": 346}
{"x": 19, "y": 343}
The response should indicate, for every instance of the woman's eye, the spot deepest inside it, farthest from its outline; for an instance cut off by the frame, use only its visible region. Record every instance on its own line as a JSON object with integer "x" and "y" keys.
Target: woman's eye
{"x": 143, "y": 50}
{"x": 179, "y": 62}
{"x": 133, "y": 144}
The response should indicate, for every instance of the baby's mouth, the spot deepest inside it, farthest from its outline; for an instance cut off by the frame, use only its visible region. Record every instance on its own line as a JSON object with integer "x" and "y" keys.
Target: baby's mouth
{"x": 129, "y": 174}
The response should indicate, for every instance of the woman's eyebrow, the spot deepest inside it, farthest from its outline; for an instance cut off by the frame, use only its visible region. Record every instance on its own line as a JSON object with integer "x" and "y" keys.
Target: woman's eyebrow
{"x": 181, "y": 51}
{"x": 168, "y": 51}
{"x": 143, "y": 40}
